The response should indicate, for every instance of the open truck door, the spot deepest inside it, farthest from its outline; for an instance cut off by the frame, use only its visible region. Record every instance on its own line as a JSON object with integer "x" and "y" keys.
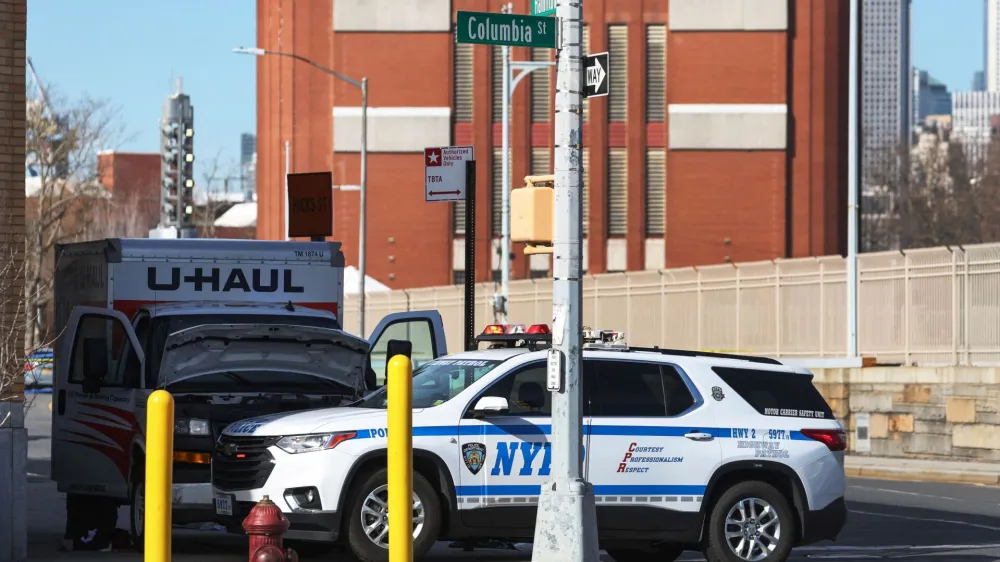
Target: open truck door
{"x": 422, "y": 328}
{"x": 99, "y": 413}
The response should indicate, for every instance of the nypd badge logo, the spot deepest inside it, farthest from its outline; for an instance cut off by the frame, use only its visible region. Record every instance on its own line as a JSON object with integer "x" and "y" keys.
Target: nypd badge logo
{"x": 717, "y": 393}
{"x": 474, "y": 455}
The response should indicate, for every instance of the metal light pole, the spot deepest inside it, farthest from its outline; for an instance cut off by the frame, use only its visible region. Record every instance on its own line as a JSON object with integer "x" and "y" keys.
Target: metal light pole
{"x": 853, "y": 149}
{"x": 362, "y": 235}
{"x": 288, "y": 170}
{"x": 566, "y": 526}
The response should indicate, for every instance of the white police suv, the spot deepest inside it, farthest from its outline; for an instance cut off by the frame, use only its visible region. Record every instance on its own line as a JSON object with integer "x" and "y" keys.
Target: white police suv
{"x": 736, "y": 456}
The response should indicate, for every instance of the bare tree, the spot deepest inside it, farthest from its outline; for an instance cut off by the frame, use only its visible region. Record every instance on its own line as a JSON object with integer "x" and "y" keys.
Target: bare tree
{"x": 943, "y": 196}
{"x": 112, "y": 217}
{"x": 62, "y": 140}
{"x": 215, "y": 186}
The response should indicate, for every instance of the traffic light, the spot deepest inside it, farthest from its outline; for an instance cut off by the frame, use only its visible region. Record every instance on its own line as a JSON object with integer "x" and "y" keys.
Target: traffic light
{"x": 531, "y": 213}
{"x": 187, "y": 171}
{"x": 169, "y": 179}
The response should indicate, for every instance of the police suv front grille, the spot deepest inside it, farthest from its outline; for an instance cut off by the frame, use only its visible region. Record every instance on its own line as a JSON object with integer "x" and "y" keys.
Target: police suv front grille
{"x": 242, "y": 463}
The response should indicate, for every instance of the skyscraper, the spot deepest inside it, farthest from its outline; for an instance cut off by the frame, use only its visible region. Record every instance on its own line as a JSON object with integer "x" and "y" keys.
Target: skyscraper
{"x": 991, "y": 37}
{"x": 248, "y": 165}
{"x": 886, "y": 99}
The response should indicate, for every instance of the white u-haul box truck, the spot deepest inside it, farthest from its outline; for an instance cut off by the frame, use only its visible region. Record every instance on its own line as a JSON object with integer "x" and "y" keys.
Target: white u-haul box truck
{"x": 232, "y": 328}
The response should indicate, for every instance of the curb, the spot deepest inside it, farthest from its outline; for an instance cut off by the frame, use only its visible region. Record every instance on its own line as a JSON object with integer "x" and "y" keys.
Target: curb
{"x": 920, "y": 475}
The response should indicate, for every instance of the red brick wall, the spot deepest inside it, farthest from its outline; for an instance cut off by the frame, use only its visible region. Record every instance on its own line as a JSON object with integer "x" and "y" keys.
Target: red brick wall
{"x": 12, "y": 22}
{"x": 769, "y": 204}
{"x": 134, "y": 176}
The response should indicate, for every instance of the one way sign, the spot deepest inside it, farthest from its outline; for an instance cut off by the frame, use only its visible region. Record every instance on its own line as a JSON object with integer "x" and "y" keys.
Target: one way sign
{"x": 596, "y": 76}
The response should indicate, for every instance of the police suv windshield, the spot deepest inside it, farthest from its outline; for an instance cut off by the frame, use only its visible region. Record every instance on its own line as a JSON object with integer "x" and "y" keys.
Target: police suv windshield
{"x": 436, "y": 382}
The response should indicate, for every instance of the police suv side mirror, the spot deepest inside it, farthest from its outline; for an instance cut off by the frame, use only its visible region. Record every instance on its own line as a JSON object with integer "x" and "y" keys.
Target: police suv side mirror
{"x": 491, "y": 405}
{"x": 95, "y": 363}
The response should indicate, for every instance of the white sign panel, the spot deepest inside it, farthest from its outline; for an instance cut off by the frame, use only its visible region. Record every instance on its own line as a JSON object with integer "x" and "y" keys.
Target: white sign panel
{"x": 444, "y": 172}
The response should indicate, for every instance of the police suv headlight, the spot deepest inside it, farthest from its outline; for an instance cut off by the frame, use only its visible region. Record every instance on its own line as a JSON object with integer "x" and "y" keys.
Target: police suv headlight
{"x": 183, "y": 426}
{"x": 313, "y": 442}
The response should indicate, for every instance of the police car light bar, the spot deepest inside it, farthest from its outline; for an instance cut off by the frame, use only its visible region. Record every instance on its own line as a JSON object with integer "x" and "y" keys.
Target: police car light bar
{"x": 513, "y": 333}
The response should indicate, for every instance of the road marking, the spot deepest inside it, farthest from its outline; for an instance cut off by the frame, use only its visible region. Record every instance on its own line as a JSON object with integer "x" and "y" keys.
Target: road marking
{"x": 928, "y": 520}
{"x": 903, "y": 493}
{"x": 895, "y": 547}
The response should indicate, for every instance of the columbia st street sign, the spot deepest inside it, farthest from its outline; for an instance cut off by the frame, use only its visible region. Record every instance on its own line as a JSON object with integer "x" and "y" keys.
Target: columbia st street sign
{"x": 514, "y": 30}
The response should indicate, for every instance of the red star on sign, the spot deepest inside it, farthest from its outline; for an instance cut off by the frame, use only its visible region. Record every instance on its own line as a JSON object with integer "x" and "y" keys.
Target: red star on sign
{"x": 432, "y": 156}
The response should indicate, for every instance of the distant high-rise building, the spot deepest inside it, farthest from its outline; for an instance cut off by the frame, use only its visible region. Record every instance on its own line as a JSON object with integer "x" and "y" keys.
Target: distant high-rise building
{"x": 991, "y": 37}
{"x": 886, "y": 98}
{"x": 930, "y": 97}
{"x": 978, "y": 81}
{"x": 971, "y": 114}
{"x": 248, "y": 165}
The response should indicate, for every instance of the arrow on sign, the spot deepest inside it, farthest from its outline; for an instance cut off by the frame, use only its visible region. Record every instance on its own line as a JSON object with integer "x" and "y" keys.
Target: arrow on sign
{"x": 456, "y": 192}
{"x": 596, "y": 75}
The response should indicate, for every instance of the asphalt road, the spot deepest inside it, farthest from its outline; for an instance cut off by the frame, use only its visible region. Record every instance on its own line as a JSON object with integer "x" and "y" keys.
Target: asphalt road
{"x": 912, "y": 521}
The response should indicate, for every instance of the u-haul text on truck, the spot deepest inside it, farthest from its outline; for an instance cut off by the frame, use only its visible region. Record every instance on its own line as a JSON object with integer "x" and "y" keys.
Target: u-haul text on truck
{"x": 233, "y": 329}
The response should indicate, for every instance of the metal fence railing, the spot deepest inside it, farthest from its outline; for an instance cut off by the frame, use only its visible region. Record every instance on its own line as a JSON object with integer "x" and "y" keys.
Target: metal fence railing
{"x": 934, "y": 306}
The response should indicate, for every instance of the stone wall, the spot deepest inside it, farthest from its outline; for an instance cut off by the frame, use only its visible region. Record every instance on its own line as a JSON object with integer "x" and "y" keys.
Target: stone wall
{"x": 919, "y": 412}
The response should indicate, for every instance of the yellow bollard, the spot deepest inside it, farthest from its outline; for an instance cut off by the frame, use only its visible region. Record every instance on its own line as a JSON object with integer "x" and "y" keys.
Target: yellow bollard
{"x": 400, "y": 383}
{"x": 159, "y": 476}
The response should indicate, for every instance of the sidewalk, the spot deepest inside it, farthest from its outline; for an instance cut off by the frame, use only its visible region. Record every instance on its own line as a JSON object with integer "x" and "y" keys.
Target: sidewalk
{"x": 963, "y": 472}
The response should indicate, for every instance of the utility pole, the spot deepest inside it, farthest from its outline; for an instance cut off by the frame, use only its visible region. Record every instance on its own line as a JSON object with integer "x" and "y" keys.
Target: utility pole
{"x": 566, "y": 527}
{"x": 505, "y": 182}
{"x": 852, "y": 183}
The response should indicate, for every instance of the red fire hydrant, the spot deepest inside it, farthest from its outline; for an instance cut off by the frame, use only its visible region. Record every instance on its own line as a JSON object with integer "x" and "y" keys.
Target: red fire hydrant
{"x": 265, "y": 524}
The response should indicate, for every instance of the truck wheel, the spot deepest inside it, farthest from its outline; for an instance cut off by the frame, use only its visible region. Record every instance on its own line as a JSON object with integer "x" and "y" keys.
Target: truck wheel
{"x": 137, "y": 506}
{"x": 752, "y": 521}
{"x": 367, "y": 517}
{"x": 660, "y": 554}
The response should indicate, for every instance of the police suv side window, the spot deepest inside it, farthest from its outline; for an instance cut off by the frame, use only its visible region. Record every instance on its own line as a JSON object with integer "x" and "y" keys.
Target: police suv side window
{"x": 525, "y": 391}
{"x": 637, "y": 389}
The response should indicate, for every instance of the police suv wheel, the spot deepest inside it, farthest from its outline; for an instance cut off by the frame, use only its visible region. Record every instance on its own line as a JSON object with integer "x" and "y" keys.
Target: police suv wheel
{"x": 367, "y": 517}
{"x": 751, "y": 522}
{"x": 137, "y": 507}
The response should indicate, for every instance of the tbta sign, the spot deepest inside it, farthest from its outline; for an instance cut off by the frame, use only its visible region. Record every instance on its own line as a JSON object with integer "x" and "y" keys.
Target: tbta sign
{"x": 597, "y": 80}
{"x": 310, "y": 205}
{"x": 444, "y": 173}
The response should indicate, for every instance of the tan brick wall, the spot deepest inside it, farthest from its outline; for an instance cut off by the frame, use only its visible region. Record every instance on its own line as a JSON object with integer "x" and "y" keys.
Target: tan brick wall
{"x": 944, "y": 412}
{"x": 12, "y": 56}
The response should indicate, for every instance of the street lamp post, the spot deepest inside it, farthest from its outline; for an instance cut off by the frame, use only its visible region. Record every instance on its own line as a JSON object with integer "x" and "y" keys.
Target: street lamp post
{"x": 362, "y": 234}
{"x": 510, "y": 82}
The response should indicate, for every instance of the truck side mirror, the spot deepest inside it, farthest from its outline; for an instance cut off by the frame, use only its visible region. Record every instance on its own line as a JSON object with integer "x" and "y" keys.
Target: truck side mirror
{"x": 394, "y": 348}
{"x": 95, "y": 363}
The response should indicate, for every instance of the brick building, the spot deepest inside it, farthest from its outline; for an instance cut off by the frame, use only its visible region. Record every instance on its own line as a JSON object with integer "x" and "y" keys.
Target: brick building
{"x": 723, "y": 137}
{"x": 133, "y": 176}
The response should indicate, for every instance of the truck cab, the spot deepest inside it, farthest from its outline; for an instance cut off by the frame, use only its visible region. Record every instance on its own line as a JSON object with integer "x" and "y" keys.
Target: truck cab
{"x": 222, "y": 362}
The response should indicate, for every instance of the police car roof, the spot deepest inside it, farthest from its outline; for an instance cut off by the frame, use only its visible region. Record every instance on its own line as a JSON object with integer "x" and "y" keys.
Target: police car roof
{"x": 497, "y": 354}
{"x": 271, "y": 308}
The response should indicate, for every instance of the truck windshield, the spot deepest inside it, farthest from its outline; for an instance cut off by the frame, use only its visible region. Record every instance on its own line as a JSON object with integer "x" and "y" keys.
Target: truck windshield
{"x": 436, "y": 382}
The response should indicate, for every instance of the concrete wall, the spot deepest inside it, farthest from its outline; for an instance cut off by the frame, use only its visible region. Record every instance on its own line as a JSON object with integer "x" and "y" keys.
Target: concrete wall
{"x": 945, "y": 412}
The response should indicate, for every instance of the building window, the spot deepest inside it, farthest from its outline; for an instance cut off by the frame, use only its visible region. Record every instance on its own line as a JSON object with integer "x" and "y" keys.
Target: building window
{"x": 656, "y": 192}
{"x": 458, "y": 217}
{"x": 496, "y": 79}
{"x": 497, "y": 192}
{"x": 617, "y": 191}
{"x": 541, "y": 164}
{"x": 541, "y": 104}
{"x": 586, "y": 191}
{"x": 463, "y": 82}
{"x": 656, "y": 73}
{"x": 618, "y": 74}
{"x": 585, "y": 44}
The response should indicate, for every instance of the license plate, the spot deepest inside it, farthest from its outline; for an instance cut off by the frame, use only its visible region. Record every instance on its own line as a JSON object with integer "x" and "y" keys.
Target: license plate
{"x": 223, "y": 504}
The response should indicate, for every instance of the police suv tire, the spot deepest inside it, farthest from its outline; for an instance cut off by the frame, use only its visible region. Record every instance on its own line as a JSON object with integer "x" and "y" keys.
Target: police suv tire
{"x": 663, "y": 554}
{"x": 718, "y": 550}
{"x": 137, "y": 489}
{"x": 362, "y": 547}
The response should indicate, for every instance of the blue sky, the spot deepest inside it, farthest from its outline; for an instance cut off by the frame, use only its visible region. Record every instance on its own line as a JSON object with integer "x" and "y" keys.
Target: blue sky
{"x": 128, "y": 51}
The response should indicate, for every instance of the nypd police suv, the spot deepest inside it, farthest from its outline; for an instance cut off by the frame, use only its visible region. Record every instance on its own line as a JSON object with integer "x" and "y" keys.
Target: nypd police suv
{"x": 739, "y": 457}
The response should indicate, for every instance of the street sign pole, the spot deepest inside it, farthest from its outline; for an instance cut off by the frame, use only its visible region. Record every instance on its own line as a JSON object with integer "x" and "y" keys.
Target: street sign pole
{"x": 470, "y": 254}
{"x": 505, "y": 182}
{"x": 566, "y": 525}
